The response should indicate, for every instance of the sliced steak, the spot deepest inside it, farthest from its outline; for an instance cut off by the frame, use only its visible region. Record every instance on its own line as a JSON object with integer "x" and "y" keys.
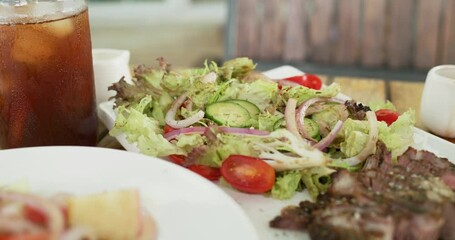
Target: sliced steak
{"x": 426, "y": 163}
{"x": 408, "y": 200}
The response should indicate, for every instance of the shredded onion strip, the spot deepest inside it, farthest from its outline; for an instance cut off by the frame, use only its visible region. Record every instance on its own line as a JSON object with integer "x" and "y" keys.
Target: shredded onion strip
{"x": 373, "y": 136}
{"x": 170, "y": 115}
{"x": 323, "y": 143}
{"x": 289, "y": 117}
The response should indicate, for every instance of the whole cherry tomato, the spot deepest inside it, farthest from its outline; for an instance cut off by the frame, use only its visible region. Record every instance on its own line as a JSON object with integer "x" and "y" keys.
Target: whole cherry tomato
{"x": 248, "y": 174}
{"x": 307, "y": 80}
{"x": 386, "y": 115}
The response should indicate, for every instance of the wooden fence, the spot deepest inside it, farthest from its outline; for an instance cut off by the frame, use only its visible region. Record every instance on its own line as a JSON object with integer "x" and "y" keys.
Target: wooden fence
{"x": 395, "y": 34}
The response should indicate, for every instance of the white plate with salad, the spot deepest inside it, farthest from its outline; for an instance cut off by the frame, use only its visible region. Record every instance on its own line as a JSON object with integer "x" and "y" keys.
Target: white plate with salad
{"x": 182, "y": 205}
{"x": 301, "y": 133}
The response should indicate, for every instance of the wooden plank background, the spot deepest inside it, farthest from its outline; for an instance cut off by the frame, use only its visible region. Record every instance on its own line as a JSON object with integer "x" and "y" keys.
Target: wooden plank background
{"x": 396, "y": 34}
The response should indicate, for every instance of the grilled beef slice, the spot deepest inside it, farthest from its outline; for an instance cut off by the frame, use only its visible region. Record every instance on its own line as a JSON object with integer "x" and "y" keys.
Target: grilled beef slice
{"x": 408, "y": 200}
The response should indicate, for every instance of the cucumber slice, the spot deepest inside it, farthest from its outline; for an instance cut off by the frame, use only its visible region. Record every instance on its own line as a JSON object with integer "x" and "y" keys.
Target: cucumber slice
{"x": 228, "y": 114}
{"x": 251, "y": 107}
{"x": 309, "y": 125}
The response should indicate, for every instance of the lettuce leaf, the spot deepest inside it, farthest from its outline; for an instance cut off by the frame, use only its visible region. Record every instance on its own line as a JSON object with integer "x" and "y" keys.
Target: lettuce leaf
{"x": 381, "y": 105}
{"x": 145, "y": 131}
{"x": 261, "y": 93}
{"x": 399, "y": 135}
{"x": 317, "y": 180}
{"x": 355, "y": 136}
{"x": 302, "y": 93}
{"x": 268, "y": 120}
{"x": 225, "y": 145}
{"x": 286, "y": 184}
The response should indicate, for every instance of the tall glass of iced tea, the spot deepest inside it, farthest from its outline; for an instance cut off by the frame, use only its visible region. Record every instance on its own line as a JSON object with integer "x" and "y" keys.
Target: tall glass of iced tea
{"x": 47, "y": 94}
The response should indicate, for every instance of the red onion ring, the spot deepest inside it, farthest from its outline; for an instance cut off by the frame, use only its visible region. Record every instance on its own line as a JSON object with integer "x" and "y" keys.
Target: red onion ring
{"x": 323, "y": 143}
{"x": 191, "y": 130}
{"x": 170, "y": 115}
{"x": 54, "y": 216}
{"x": 301, "y": 112}
{"x": 289, "y": 117}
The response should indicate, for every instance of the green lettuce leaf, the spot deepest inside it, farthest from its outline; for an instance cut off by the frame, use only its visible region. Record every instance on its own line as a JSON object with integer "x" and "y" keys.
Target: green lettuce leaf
{"x": 399, "y": 135}
{"x": 225, "y": 145}
{"x": 190, "y": 141}
{"x": 302, "y": 93}
{"x": 261, "y": 93}
{"x": 381, "y": 105}
{"x": 286, "y": 184}
{"x": 353, "y": 137}
{"x": 143, "y": 130}
{"x": 317, "y": 180}
{"x": 267, "y": 120}
{"x": 237, "y": 68}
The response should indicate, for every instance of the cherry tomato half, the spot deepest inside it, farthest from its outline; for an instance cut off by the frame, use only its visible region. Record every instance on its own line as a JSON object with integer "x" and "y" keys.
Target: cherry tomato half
{"x": 307, "y": 80}
{"x": 177, "y": 159}
{"x": 35, "y": 215}
{"x": 248, "y": 174}
{"x": 210, "y": 173}
{"x": 38, "y": 217}
{"x": 386, "y": 115}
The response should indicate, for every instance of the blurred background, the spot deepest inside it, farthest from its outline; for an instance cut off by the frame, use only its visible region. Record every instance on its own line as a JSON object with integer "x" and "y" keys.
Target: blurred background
{"x": 184, "y": 32}
{"x": 370, "y": 38}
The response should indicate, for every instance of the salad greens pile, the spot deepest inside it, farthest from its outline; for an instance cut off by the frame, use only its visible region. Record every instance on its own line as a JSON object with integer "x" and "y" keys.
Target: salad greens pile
{"x": 216, "y": 111}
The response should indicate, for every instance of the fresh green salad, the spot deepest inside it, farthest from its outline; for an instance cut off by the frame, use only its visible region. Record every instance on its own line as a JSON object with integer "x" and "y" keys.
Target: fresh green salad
{"x": 259, "y": 135}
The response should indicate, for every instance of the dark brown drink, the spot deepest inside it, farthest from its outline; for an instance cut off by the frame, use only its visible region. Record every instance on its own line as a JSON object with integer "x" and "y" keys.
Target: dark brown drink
{"x": 47, "y": 94}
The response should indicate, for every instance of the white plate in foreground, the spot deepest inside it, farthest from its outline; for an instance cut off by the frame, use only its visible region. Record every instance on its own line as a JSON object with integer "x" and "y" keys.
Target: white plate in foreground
{"x": 184, "y": 205}
{"x": 261, "y": 209}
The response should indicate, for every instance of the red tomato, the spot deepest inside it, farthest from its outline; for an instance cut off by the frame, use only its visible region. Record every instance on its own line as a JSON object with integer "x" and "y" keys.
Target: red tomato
{"x": 248, "y": 174}
{"x": 38, "y": 217}
{"x": 35, "y": 215}
{"x": 210, "y": 173}
{"x": 168, "y": 128}
{"x": 386, "y": 115}
{"x": 26, "y": 236}
{"x": 177, "y": 159}
{"x": 307, "y": 80}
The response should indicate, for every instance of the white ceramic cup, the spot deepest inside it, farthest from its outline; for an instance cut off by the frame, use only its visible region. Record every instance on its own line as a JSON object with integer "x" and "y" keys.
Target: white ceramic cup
{"x": 109, "y": 66}
{"x": 438, "y": 101}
